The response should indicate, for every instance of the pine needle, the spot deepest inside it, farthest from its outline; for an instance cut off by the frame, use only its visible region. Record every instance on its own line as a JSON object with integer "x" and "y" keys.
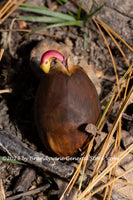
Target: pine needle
{"x": 8, "y": 9}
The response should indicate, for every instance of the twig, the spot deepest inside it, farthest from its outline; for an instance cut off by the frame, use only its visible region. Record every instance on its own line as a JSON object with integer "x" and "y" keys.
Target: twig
{"x": 28, "y": 31}
{"x": 43, "y": 188}
{"x": 15, "y": 148}
{"x": 9, "y": 90}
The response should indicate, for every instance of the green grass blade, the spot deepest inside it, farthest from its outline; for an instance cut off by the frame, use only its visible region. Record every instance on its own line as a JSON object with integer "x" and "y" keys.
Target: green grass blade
{"x": 61, "y": 2}
{"x": 93, "y": 3}
{"x": 126, "y": 73}
{"x": 11, "y": 160}
{"x": 94, "y": 12}
{"x": 79, "y": 12}
{"x": 70, "y": 23}
{"x": 46, "y": 11}
{"x": 85, "y": 37}
{"x": 41, "y": 19}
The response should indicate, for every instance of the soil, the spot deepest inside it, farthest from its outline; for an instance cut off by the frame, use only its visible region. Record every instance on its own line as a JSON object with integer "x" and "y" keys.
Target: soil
{"x": 17, "y": 107}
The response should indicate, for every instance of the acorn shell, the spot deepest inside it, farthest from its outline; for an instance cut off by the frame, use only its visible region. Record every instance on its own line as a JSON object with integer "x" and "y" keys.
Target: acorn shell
{"x": 63, "y": 106}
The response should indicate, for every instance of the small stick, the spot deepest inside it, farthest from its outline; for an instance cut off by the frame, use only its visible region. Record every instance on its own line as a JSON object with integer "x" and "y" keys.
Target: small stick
{"x": 43, "y": 188}
{"x": 8, "y": 90}
{"x": 28, "y": 31}
{"x": 17, "y": 150}
{"x": 1, "y": 53}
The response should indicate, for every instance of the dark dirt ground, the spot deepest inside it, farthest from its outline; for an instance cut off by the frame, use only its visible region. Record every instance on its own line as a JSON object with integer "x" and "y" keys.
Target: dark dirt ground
{"x": 17, "y": 108}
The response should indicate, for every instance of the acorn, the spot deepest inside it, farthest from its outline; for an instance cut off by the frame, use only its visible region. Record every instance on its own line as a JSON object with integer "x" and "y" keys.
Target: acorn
{"x": 66, "y": 101}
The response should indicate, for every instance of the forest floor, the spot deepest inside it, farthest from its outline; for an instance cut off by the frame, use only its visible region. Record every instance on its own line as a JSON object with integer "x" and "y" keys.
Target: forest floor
{"x": 86, "y": 46}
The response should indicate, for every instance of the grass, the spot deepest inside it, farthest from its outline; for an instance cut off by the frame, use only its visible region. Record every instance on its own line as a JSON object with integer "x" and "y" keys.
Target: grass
{"x": 11, "y": 160}
{"x": 56, "y": 19}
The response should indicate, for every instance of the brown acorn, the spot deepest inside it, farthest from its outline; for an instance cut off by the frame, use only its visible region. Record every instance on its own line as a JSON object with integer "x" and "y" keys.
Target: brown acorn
{"x": 66, "y": 101}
